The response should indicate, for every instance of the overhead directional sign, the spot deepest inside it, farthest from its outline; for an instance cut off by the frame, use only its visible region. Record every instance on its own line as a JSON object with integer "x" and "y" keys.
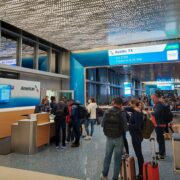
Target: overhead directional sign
{"x": 145, "y": 54}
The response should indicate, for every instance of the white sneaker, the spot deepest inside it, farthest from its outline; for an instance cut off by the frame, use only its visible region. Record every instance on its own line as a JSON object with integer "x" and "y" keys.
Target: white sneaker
{"x": 63, "y": 147}
{"x": 86, "y": 138}
{"x": 90, "y": 137}
{"x": 103, "y": 177}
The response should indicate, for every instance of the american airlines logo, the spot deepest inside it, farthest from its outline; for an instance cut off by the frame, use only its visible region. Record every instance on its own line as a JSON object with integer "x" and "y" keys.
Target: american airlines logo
{"x": 30, "y": 88}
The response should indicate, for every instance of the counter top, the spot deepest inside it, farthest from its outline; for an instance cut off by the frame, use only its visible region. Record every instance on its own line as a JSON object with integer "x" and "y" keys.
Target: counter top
{"x": 16, "y": 108}
{"x": 45, "y": 123}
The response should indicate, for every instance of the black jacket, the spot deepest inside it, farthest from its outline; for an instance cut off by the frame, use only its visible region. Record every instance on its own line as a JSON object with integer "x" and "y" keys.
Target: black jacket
{"x": 157, "y": 110}
{"x": 60, "y": 111}
{"x": 136, "y": 123}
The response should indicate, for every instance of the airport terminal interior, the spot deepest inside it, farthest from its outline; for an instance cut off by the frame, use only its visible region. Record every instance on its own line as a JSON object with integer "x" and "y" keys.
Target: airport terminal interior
{"x": 76, "y": 53}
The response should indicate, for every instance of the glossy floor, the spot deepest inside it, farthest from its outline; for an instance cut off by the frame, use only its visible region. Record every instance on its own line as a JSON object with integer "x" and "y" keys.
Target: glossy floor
{"x": 84, "y": 162}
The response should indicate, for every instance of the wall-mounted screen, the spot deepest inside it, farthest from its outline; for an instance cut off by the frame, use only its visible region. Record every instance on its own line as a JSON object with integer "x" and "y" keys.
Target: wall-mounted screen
{"x": 166, "y": 87}
{"x": 5, "y": 93}
{"x": 127, "y": 88}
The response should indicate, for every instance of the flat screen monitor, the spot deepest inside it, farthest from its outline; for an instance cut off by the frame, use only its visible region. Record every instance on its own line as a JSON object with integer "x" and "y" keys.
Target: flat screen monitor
{"x": 127, "y": 88}
{"x": 5, "y": 93}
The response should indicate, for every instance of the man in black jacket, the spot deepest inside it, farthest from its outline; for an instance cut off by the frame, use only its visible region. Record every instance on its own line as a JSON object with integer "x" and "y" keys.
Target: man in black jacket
{"x": 113, "y": 127}
{"x": 157, "y": 113}
{"x": 60, "y": 111}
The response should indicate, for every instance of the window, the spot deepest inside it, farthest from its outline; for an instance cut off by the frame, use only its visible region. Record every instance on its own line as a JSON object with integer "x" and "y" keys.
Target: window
{"x": 8, "y": 50}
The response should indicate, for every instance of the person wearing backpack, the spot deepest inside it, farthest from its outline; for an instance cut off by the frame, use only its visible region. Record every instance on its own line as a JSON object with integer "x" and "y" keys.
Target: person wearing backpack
{"x": 92, "y": 106}
{"x": 60, "y": 111}
{"x": 159, "y": 127}
{"x": 113, "y": 127}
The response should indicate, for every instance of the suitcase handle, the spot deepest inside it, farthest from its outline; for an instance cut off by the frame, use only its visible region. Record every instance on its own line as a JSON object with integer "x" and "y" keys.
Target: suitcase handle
{"x": 153, "y": 152}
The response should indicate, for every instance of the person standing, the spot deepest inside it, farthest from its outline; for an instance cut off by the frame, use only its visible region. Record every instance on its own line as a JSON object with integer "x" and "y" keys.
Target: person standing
{"x": 60, "y": 111}
{"x": 75, "y": 123}
{"x": 92, "y": 106}
{"x": 70, "y": 134}
{"x": 136, "y": 123}
{"x": 44, "y": 107}
{"x": 52, "y": 103}
{"x": 159, "y": 129}
{"x": 113, "y": 127}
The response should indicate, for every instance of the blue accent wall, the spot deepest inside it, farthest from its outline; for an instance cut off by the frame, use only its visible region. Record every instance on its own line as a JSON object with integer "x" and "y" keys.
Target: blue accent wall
{"x": 77, "y": 79}
{"x": 88, "y": 59}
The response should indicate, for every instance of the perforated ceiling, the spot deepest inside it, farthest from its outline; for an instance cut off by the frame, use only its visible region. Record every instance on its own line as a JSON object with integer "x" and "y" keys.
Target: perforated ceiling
{"x": 84, "y": 24}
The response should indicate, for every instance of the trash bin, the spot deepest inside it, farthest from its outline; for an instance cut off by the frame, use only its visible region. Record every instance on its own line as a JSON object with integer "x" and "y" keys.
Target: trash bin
{"x": 5, "y": 145}
{"x": 176, "y": 154}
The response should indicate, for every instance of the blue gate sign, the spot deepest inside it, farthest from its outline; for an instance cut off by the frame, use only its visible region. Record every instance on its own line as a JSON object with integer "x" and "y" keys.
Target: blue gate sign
{"x": 145, "y": 54}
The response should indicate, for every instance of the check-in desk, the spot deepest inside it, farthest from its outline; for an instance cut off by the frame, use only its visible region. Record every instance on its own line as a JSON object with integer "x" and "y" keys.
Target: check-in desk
{"x": 29, "y": 134}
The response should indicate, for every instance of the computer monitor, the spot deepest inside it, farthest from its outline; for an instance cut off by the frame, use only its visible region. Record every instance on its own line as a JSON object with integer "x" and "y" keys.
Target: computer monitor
{"x": 5, "y": 93}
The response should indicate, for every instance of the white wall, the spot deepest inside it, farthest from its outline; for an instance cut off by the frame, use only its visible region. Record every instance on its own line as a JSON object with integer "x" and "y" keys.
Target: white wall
{"x": 47, "y": 83}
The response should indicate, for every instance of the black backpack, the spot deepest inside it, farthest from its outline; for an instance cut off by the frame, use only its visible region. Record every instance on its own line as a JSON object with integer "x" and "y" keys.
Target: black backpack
{"x": 166, "y": 115}
{"x": 113, "y": 125}
{"x": 82, "y": 112}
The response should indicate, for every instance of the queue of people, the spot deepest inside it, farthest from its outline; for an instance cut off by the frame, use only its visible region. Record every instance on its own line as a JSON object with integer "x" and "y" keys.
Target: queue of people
{"x": 136, "y": 114}
{"x": 122, "y": 117}
{"x": 69, "y": 117}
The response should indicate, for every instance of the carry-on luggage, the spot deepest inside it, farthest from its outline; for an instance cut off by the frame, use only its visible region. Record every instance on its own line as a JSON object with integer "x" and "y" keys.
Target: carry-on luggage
{"x": 128, "y": 171}
{"x": 148, "y": 127}
{"x": 151, "y": 168}
{"x": 176, "y": 155}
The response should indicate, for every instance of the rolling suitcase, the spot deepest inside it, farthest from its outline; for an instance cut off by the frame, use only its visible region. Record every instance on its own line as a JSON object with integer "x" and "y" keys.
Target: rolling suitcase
{"x": 128, "y": 171}
{"x": 176, "y": 155}
{"x": 151, "y": 168}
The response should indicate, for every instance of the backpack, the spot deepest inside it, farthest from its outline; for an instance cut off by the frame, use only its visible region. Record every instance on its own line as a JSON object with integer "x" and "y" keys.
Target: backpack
{"x": 166, "y": 115}
{"x": 113, "y": 123}
{"x": 82, "y": 112}
{"x": 60, "y": 110}
{"x": 148, "y": 127}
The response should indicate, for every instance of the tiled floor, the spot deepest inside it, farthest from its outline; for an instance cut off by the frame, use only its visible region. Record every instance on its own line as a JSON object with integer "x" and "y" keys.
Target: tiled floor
{"x": 84, "y": 162}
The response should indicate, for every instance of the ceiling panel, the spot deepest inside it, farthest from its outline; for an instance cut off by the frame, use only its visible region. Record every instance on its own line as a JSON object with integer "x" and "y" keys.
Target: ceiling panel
{"x": 84, "y": 24}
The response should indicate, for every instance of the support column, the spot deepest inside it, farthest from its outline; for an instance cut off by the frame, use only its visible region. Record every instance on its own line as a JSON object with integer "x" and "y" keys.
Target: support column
{"x": 59, "y": 62}
{"x": 19, "y": 51}
{"x": 36, "y": 56}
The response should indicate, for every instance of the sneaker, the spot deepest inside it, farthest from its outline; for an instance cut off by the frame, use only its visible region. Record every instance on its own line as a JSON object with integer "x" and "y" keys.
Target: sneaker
{"x": 63, "y": 147}
{"x": 160, "y": 157}
{"x": 139, "y": 177}
{"x": 75, "y": 145}
{"x": 157, "y": 153}
{"x": 57, "y": 147}
{"x": 103, "y": 177}
{"x": 67, "y": 142}
{"x": 86, "y": 138}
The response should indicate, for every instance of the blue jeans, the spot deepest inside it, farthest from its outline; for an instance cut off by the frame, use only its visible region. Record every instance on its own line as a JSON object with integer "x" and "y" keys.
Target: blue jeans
{"x": 92, "y": 122}
{"x": 113, "y": 145}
